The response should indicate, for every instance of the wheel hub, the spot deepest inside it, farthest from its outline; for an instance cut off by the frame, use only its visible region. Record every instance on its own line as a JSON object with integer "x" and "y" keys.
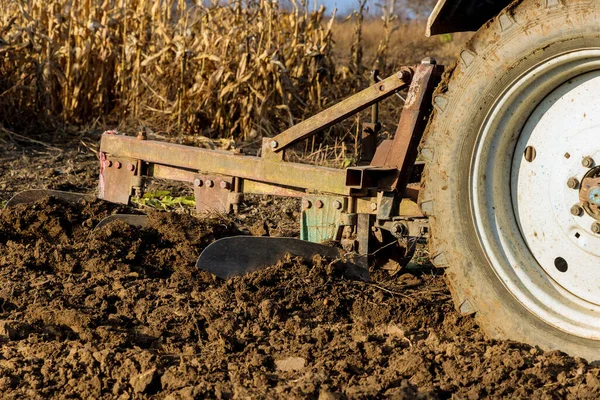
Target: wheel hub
{"x": 562, "y": 130}
{"x": 589, "y": 194}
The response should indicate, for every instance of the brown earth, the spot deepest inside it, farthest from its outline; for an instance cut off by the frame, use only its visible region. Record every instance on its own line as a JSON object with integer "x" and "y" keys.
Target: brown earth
{"x": 123, "y": 312}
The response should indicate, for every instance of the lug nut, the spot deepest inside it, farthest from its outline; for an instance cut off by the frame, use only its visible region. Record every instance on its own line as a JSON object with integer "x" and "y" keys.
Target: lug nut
{"x": 225, "y": 185}
{"x": 573, "y": 183}
{"x": 210, "y": 183}
{"x": 319, "y": 204}
{"x": 337, "y": 205}
{"x": 306, "y": 204}
{"x": 587, "y": 162}
{"x": 596, "y": 227}
{"x": 198, "y": 182}
{"x": 576, "y": 210}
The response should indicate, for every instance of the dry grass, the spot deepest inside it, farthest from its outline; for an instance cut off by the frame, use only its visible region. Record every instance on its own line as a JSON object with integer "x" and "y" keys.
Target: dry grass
{"x": 390, "y": 44}
{"x": 222, "y": 71}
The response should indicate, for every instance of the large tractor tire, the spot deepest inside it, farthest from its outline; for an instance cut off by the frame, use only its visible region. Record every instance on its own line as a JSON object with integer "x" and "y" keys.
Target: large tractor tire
{"x": 510, "y": 183}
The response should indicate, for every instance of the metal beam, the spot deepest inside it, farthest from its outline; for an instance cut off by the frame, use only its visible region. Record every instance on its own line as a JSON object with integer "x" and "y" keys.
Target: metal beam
{"x": 293, "y": 175}
{"x": 342, "y": 110}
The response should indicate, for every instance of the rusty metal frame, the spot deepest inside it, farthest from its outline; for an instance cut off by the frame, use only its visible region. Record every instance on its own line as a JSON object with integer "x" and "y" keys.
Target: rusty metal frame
{"x": 388, "y": 173}
{"x": 293, "y": 175}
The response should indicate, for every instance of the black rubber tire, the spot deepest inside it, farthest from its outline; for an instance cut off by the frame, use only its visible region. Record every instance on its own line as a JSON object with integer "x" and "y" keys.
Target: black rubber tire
{"x": 524, "y": 34}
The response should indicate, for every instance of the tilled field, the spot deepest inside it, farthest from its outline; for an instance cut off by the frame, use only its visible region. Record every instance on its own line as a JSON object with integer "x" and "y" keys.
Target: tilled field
{"x": 122, "y": 312}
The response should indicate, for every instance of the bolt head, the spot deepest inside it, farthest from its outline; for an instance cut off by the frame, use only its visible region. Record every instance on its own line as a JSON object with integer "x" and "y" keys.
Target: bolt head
{"x": 382, "y": 88}
{"x": 118, "y": 165}
{"x": 306, "y": 204}
{"x": 131, "y": 167}
{"x": 429, "y": 61}
{"x": 319, "y": 204}
{"x": 596, "y": 227}
{"x": 225, "y": 185}
{"x": 403, "y": 75}
{"x": 398, "y": 229}
{"x": 210, "y": 183}
{"x": 108, "y": 163}
{"x": 274, "y": 144}
{"x": 587, "y": 162}
{"x": 373, "y": 206}
{"x": 337, "y": 205}
{"x": 198, "y": 182}
{"x": 576, "y": 210}
{"x": 573, "y": 183}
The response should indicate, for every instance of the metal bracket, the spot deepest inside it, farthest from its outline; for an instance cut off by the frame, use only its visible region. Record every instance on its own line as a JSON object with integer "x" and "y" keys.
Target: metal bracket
{"x": 118, "y": 176}
{"x": 213, "y": 193}
{"x": 321, "y": 217}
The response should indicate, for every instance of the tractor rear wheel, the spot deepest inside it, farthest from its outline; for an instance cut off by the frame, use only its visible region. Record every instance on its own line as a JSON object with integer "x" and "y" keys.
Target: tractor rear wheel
{"x": 512, "y": 183}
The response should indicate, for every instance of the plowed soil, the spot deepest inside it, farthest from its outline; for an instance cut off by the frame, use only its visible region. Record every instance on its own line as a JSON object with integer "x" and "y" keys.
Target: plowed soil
{"x": 122, "y": 312}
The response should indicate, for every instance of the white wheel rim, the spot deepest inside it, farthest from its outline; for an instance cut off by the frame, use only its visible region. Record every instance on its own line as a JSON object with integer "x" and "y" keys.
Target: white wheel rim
{"x": 521, "y": 209}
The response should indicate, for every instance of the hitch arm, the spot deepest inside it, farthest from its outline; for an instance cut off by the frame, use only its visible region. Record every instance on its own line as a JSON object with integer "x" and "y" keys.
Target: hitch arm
{"x": 342, "y": 110}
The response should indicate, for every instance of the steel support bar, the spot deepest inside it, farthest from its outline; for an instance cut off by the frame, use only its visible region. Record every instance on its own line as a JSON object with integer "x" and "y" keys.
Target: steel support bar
{"x": 402, "y": 153}
{"x": 342, "y": 110}
{"x": 248, "y": 186}
{"x": 292, "y": 175}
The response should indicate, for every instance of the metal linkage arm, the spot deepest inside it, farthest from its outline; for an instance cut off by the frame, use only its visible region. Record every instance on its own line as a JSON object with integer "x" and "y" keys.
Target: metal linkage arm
{"x": 342, "y": 110}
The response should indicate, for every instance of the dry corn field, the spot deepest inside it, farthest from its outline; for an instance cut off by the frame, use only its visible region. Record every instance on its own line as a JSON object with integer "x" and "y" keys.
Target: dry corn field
{"x": 223, "y": 71}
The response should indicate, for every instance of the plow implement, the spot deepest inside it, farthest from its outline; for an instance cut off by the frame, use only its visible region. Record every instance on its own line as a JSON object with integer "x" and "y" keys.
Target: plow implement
{"x": 362, "y": 209}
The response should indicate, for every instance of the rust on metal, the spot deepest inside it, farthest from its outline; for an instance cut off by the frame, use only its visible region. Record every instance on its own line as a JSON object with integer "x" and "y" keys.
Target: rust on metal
{"x": 589, "y": 194}
{"x": 293, "y": 175}
{"x": 337, "y": 203}
{"x": 162, "y": 171}
{"x": 116, "y": 183}
{"x": 246, "y": 185}
{"x": 342, "y": 110}
{"x": 254, "y": 187}
{"x": 268, "y": 150}
{"x": 368, "y": 140}
{"x": 214, "y": 194}
{"x": 402, "y": 153}
{"x": 368, "y": 177}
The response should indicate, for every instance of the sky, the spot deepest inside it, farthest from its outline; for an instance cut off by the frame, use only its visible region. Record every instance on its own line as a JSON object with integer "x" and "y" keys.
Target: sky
{"x": 343, "y": 6}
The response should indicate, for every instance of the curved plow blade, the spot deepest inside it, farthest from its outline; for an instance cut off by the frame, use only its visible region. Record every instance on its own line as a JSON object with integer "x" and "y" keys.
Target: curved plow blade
{"x": 239, "y": 255}
{"x": 33, "y": 195}
{"x": 140, "y": 221}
